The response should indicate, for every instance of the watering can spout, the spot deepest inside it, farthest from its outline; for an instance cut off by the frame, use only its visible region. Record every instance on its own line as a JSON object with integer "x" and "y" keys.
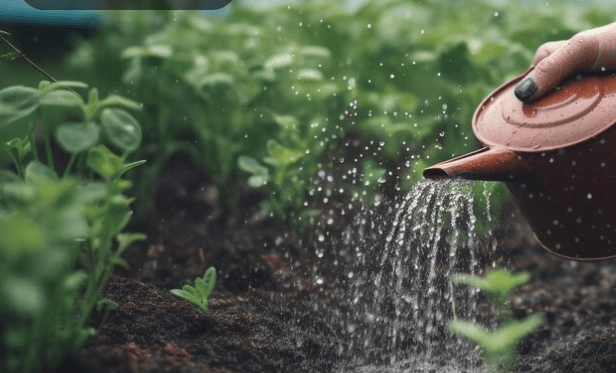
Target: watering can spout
{"x": 489, "y": 164}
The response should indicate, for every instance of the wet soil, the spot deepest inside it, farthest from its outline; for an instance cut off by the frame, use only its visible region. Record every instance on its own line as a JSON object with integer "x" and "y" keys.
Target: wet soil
{"x": 264, "y": 317}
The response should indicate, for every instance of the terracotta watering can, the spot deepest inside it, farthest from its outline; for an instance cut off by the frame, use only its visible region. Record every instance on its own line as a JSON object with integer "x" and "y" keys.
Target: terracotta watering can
{"x": 557, "y": 157}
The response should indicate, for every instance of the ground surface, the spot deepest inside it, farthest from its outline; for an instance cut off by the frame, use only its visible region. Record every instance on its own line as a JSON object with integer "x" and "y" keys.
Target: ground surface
{"x": 264, "y": 317}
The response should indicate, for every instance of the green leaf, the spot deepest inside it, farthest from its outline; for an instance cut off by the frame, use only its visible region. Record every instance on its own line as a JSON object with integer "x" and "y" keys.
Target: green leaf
{"x": 281, "y": 155}
{"x": 498, "y": 283}
{"x": 74, "y": 281}
{"x": 199, "y": 295}
{"x": 309, "y": 74}
{"x": 92, "y": 192}
{"x": 122, "y": 129}
{"x": 119, "y": 101}
{"x": 65, "y": 84}
{"x": 316, "y": 51}
{"x": 77, "y": 137}
{"x": 17, "y": 106}
{"x": 160, "y": 51}
{"x": 126, "y": 239}
{"x": 456, "y": 65}
{"x": 501, "y": 340}
{"x": 207, "y": 283}
{"x": 20, "y": 234}
{"x": 117, "y": 261}
{"x": 260, "y": 174}
{"x": 288, "y": 122}
{"x": 106, "y": 302}
{"x": 279, "y": 61}
{"x": 127, "y": 167}
{"x": 17, "y": 148}
{"x": 216, "y": 80}
{"x": 22, "y": 296}
{"x": 36, "y": 171}
{"x": 102, "y": 161}
{"x": 62, "y": 98}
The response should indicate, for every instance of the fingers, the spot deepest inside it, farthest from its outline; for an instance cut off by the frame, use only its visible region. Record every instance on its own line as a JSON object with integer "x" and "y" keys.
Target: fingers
{"x": 555, "y": 62}
{"x": 525, "y": 88}
{"x": 546, "y": 50}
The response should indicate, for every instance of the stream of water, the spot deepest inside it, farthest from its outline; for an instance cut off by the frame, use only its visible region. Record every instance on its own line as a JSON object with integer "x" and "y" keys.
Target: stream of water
{"x": 398, "y": 300}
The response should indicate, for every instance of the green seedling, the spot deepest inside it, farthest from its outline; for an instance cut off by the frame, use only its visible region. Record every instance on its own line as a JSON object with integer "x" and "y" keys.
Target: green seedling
{"x": 199, "y": 295}
{"x": 501, "y": 345}
{"x": 497, "y": 284}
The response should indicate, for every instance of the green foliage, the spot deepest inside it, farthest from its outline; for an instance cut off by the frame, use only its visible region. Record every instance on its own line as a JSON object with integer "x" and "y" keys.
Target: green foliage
{"x": 61, "y": 235}
{"x": 497, "y": 284}
{"x": 500, "y": 346}
{"x": 399, "y": 79}
{"x": 200, "y": 294}
{"x": 41, "y": 223}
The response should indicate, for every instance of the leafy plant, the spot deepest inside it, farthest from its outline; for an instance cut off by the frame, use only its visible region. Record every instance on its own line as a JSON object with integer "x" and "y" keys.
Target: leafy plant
{"x": 199, "y": 295}
{"x": 50, "y": 227}
{"x": 499, "y": 346}
{"x": 61, "y": 235}
{"x": 41, "y": 224}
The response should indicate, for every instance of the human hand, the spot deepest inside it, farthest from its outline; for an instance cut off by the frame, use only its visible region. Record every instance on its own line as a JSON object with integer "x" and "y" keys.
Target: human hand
{"x": 591, "y": 50}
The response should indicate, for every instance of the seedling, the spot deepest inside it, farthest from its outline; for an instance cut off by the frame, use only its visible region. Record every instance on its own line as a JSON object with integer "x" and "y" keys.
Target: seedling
{"x": 500, "y": 346}
{"x": 497, "y": 284}
{"x": 199, "y": 295}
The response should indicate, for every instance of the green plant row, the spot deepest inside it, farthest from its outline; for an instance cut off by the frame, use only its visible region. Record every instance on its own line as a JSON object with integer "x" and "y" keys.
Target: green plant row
{"x": 61, "y": 223}
{"x": 274, "y": 96}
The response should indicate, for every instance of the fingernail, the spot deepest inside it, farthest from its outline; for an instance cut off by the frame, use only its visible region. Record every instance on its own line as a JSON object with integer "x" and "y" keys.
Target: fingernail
{"x": 524, "y": 89}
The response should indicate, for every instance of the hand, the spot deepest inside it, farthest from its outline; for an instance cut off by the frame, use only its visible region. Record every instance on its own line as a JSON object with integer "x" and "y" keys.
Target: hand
{"x": 591, "y": 50}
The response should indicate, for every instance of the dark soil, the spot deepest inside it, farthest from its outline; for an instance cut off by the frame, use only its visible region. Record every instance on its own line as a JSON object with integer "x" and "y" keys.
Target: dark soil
{"x": 263, "y": 316}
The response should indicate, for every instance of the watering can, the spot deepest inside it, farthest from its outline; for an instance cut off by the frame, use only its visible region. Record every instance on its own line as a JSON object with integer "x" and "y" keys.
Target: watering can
{"x": 557, "y": 157}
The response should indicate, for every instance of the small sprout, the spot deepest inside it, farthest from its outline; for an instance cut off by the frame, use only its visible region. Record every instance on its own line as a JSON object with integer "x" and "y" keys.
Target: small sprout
{"x": 199, "y": 295}
{"x": 500, "y": 346}
{"x": 498, "y": 284}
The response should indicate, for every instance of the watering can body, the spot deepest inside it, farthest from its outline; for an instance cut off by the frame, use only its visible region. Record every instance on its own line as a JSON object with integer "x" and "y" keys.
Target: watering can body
{"x": 557, "y": 157}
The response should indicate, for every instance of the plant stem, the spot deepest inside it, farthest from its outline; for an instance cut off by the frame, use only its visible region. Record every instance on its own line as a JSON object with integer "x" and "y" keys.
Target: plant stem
{"x": 33, "y": 144}
{"x": 69, "y": 165}
{"x": 48, "y": 150}
{"x": 17, "y": 164}
{"x": 22, "y": 55}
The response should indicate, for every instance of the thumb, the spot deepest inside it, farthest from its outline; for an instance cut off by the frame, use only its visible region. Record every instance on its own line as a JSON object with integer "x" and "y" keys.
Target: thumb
{"x": 555, "y": 63}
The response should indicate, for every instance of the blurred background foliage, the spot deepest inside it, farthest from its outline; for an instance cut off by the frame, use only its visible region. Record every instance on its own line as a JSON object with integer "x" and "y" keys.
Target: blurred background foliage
{"x": 312, "y": 101}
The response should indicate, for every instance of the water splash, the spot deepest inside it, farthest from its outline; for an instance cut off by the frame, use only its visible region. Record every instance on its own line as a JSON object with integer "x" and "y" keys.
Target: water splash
{"x": 395, "y": 304}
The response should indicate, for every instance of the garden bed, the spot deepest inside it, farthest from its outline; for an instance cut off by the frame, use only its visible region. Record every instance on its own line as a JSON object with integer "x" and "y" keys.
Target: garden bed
{"x": 264, "y": 317}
